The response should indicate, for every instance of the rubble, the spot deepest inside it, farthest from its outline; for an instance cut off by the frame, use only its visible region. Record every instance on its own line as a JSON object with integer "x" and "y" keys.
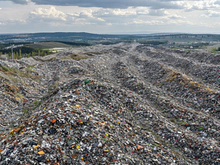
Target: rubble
{"x": 132, "y": 104}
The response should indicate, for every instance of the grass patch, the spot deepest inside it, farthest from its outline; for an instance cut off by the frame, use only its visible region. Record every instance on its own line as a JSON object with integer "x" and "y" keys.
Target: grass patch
{"x": 37, "y": 102}
{"x": 15, "y": 80}
{"x": 48, "y": 45}
{"x": 173, "y": 120}
{"x": 19, "y": 96}
{"x": 94, "y": 53}
{"x": 45, "y": 60}
{"x": 157, "y": 145}
{"x": 173, "y": 76}
{"x": 51, "y": 87}
{"x": 65, "y": 58}
{"x": 201, "y": 128}
{"x": 29, "y": 70}
{"x": 13, "y": 71}
{"x": 25, "y": 111}
{"x": 181, "y": 122}
{"x": 187, "y": 82}
{"x": 50, "y": 59}
{"x": 10, "y": 72}
{"x": 31, "y": 107}
{"x": 214, "y": 51}
{"x": 30, "y": 66}
{"x": 78, "y": 57}
{"x": 5, "y": 68}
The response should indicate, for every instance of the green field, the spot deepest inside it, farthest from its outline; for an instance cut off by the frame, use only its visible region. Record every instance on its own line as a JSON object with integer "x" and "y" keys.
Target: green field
{"x": 48, "y": 45}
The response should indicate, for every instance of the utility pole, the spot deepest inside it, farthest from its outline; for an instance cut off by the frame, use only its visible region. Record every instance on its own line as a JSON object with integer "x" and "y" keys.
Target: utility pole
{"x": 12, "y": 47}
{"x": 12, "y": 52}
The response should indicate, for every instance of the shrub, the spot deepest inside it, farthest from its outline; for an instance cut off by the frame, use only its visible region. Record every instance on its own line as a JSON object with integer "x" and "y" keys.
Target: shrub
{"x": 5, "y": 68}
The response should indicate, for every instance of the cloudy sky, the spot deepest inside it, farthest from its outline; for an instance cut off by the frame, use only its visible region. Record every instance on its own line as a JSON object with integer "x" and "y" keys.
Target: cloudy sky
{"x": 110, "y": 16}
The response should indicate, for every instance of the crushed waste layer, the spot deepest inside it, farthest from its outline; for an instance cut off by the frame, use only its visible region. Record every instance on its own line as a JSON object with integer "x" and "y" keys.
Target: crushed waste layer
{"x": 124, "y": 104}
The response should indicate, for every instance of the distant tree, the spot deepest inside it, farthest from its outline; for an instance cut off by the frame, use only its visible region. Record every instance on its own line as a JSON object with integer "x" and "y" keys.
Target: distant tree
{"x": 20, "y": 56}
{"x": 16, "y": 55}
{"x": 20, "y": 53}
{"x": 38, "y": 52}
{"x": 29, "y": 55}
{"x": 33, "y": 54}
{"x": 9, "y": 54}
{"x": 218, "y": 48}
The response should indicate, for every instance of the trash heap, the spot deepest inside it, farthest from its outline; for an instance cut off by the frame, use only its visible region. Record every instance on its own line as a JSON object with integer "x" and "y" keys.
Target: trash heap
{"x": 197, "y": 65}
{"x": 74, "y": 128}
{"x": 20, "y": 86}
{"x": 126, "y": 104}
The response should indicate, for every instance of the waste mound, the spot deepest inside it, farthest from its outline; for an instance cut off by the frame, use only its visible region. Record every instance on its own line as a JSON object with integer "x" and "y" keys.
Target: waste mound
{"x": 124, "y": 104}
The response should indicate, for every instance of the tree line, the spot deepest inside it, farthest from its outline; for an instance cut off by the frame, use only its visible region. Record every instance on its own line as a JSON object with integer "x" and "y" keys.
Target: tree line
{"x": 25, "y": 51}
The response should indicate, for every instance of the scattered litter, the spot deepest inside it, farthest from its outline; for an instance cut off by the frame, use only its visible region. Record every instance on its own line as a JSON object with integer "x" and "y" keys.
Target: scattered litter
{"x": 133, "y": 104}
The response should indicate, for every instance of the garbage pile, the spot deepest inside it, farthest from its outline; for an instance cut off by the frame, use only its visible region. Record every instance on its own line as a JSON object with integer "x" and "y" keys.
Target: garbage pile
{"x": 132, "y": 104}
{"x": 19, "y": 87}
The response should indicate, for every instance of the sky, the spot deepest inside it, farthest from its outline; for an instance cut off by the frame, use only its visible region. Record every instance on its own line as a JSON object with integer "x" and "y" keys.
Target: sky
{"x": 110, "y": 16}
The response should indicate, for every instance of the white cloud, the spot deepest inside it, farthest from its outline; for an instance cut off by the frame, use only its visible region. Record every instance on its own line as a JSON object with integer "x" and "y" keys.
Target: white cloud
{"x": 88, "y": 15}
{"x": 154, "y": 22}
{"x": 13, "y": 22}
{"x": 160, "y": 22}
{"x": 216, "y": 24}
{"x": 23, "y": 2}
{"x": 160, "y": 12}
{"x": 170, "y": 14}
{"x": 125, "y": 12}
{"x": 114, "y": 12}
{"x": 212, "y": 13}
{"x": 175, "y": 16}
{"x": 155, "y": 4}
{"x": 109, "y": 17}
{"x": 183, "y": 22}
{"x": 57, "y": 18}
{"x": 184, "y": 4}
{"x": 203, "y": 5}
{"x": 142, "y": 12}
{"x": 49, "y": 13}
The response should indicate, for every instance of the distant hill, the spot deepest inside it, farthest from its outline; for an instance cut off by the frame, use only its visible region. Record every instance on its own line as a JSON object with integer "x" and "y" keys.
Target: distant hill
{"x": 92, "y": 38}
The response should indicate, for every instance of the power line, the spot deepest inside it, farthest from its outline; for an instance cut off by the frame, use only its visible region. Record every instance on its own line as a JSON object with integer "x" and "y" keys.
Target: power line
{"x": 12, "y": 47}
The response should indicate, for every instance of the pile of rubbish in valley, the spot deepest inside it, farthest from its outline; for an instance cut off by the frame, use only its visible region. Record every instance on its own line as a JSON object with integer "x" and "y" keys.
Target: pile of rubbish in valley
{"x": 119, "y": 104}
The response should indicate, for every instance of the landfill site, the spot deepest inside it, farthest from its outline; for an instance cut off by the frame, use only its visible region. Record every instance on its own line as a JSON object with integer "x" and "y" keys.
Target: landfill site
{"x": 120, "y": 104}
